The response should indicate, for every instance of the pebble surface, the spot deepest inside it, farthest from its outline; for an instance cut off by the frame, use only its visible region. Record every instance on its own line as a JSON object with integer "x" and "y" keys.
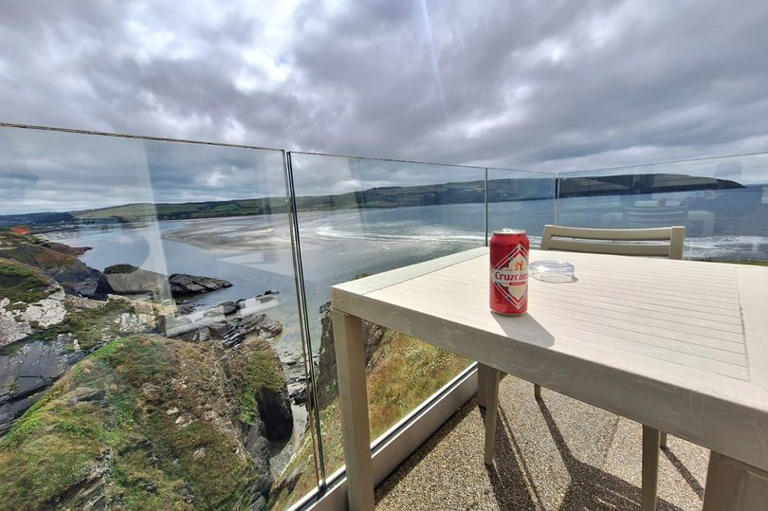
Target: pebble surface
{"x": 554, "y": 454}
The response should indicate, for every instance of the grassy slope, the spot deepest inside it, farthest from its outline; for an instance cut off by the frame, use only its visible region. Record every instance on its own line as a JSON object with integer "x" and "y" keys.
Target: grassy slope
{"x": 20, "y": 280}
{"x": 148, "y": 458}
{"x": 256, "y": 370}
{"x": 89, "y": 326}
{"x": 405, "y": 373}
{"x": 22, "y": 283}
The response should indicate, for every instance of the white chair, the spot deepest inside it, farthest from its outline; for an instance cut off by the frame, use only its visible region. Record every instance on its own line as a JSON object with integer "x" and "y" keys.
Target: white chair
{"x": 654, "y": 242}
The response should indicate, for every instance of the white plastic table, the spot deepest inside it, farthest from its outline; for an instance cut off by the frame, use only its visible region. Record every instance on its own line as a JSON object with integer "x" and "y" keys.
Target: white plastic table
{"x": 681, "y": 346}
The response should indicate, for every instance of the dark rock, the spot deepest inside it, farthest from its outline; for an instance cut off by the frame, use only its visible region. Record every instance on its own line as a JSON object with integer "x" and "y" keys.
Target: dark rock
{"x": 186, "y": 308}
{"x": 81, "y": 280}
{"x": 275, "y": 411}
{"x": 222, "y": 329}
{"x": 256, "y": 324}
{"x": 228, "y": 308}
{"x": 233, "y": 330}
{"x": 298, "y": 393}
{"x": 326, "y": 378}
{"x": 212, "y": 284}
{"x": 12, "y": 410}
{"x": 201, "y": 334}
{"x": 28, "y": 370}
{"x": 183, "y": 284}
{"x": 128, "y": 279}
{"x": 72, "y": 274}
{"x": 257, "y": 446}
{"x": 65, "y": 249}
{"x": 137, "y": 281}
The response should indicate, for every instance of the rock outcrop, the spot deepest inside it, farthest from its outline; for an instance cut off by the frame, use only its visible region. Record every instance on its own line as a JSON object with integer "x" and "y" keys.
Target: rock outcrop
{"x": 58, "y": 263}
{"x": 51, "y": 335}
{"x": 183, "y": 284}
{"x": 326, "y": 378}
{"x": 130, "y": 280}
{"x": 17, "y": 318}
{"x": 231, "y": 330}
{"x": 139, "y": 418}
{"x": 46, "y": 312}
{"x": 152, "y": 419}
{"x": 65, "y": 249}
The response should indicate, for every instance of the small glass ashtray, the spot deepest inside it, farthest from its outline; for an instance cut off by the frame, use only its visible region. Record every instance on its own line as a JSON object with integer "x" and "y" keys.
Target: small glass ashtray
{"x": 552, "y": 271}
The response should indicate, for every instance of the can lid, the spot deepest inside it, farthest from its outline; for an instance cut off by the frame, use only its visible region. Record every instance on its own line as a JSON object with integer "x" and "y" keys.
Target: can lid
{"x": 507, "y": 231}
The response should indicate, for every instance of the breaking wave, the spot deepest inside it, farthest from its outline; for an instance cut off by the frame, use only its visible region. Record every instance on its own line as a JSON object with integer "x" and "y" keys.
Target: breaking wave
{"x": 430, "y": 235}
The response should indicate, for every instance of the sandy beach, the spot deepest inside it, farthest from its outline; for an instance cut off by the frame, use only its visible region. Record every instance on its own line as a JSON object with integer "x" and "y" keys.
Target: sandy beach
{"x": 233, "y": 234}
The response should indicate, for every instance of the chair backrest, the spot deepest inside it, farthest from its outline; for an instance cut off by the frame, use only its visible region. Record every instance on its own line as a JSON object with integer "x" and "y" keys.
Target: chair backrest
{"x": 655, "y": 216}
{"x": 637, "y": 242}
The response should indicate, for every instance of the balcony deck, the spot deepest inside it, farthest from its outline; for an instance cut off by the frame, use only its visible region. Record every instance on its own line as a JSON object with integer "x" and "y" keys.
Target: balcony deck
{"x": 556, "y": 454}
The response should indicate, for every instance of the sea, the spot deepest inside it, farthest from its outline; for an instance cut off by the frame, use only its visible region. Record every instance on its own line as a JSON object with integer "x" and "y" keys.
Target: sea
{"x": 255, "y": 252}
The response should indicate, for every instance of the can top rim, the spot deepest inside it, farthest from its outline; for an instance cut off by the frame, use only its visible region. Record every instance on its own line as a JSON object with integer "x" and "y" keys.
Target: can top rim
{"x": 507, "y": 231}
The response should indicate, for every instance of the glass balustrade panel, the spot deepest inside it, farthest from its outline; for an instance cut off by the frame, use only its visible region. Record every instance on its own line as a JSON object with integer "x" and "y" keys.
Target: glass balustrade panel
{"x": 363, "y": 216}
{"x": 150, "y": 353}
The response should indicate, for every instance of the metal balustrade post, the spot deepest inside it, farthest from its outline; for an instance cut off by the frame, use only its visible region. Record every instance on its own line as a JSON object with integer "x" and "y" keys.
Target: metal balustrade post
{"x": 301, "y": 299}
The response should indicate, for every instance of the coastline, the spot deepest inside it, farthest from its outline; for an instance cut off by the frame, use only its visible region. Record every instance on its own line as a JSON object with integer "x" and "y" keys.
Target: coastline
{"x": 230, "y": 233}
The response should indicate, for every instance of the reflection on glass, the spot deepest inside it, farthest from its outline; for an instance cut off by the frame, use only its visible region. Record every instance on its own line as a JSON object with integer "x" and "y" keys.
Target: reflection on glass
{"x": 149, "y": 348}
{"x": 358, "y": 217}
{"x": 520, "y": 200}
{"x": 720, "y": 201}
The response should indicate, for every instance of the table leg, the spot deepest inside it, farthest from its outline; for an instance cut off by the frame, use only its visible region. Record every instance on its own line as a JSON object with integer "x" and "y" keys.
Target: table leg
{"x": 483, "y": 377}
{"x": 353, "y": 401}
{"x": 650, "y": 470}
{"x": 492, "y": 402}
{"x": 734, "y": 486}
{"x": 663, "y": 439}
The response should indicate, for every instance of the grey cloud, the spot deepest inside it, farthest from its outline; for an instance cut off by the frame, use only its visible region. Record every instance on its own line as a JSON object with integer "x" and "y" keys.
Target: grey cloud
{"x": 552, "y": 86}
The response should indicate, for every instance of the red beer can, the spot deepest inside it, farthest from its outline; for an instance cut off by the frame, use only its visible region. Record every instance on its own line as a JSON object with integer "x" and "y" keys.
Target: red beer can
{"x": 509, "y": 271}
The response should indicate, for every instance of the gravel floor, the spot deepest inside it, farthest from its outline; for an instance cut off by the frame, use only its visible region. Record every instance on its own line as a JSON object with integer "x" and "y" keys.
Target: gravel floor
{"x": 557, "y": 454}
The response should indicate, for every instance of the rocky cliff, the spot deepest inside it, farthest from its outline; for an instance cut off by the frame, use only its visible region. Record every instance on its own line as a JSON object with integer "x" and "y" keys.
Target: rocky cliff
{"x": 151, "y": 422}
{"x": 101, "y": 412}
{"x": 57, "y": 261}
{"x": 327, "y": 389}
{"x": 130, "y": 280}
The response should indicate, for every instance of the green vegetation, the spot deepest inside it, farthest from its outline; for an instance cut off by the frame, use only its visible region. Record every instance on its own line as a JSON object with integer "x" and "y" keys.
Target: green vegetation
{"x": 405, "y": 372}
{"x": 21, "y": 283}
{"x": 89, "y": 326}
{"x": 9, "y": 238}
{"x": 28, "y": 250}
{"x": 143, "y": 423}
{"x": 170, "y": 211}
{"x": 255, "y": 372}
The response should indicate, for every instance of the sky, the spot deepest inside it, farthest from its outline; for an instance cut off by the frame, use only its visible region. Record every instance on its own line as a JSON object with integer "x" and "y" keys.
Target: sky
{"x": 546, "y": 86}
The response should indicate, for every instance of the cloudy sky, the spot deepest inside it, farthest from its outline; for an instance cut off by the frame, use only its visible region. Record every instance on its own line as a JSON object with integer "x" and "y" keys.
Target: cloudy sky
{"x": 546, "y": 85}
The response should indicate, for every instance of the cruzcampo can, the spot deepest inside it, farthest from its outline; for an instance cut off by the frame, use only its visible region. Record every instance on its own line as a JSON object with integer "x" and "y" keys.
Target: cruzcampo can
{"x": 509, "y": 271}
